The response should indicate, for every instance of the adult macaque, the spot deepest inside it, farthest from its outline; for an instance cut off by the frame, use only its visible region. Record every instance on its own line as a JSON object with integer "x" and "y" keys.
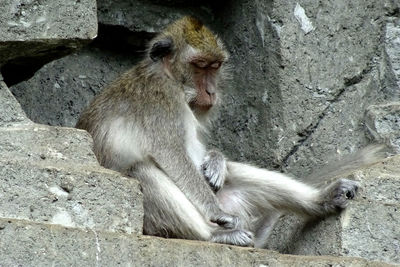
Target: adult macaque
{"x": 147, "y": 123}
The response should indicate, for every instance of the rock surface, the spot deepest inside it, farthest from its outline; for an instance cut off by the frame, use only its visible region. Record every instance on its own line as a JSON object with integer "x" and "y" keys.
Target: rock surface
{"x": 383, "y": 124}
{"x": 10, "y": 110}
{"x": 39, "y": 244}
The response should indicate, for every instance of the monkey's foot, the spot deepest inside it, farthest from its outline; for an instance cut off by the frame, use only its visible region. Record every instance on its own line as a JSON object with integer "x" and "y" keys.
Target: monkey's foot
{"x": 214, "y": 169}
{"x": 233, "y": 237}
{"x": 340, "y": 193}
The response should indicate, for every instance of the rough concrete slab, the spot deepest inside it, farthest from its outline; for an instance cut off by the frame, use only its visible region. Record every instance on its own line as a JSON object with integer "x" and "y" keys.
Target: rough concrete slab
{"x": 392, "y": 48}
{"x": 383, "y": 124}
{"x": 97, "y": 199}
{"x": 34, "y": 28}
{"x": 381, "y": 181}
{"x": 339, "y": 131}
{"x": 31, "y": 244}
{"x": 371, "y": 230}
{"x": 10, "y": 110}
{"x": 148, "y": 16}
{"x": 30, "y": 20}
{"x": 49, "y": 145}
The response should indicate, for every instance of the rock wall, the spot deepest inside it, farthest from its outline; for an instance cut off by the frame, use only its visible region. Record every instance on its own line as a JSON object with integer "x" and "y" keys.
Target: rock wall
{"x": 311, "y": 81}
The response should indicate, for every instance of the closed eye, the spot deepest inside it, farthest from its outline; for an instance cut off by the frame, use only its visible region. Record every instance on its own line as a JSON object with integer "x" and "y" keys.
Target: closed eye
{"x": 200, "y": 63}
{"x": 215, "y": 65}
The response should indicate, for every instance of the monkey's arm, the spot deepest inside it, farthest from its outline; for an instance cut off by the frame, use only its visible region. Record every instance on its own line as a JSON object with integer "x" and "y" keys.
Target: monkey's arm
{"x": 176, "y": 163}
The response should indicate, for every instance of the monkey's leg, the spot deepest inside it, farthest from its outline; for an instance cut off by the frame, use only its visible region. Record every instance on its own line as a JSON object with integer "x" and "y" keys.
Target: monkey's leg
{"x": 250, "y": 189}
{"x": 263, "y": 228}
{"x": 168, "y": 213}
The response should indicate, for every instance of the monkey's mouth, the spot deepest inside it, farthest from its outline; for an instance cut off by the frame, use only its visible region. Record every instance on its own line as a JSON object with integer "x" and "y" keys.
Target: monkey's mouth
{"x": 203, "y": 104}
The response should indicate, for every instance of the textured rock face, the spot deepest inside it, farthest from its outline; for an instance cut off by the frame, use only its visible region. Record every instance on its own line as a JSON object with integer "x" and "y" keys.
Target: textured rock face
{"x": 301, "y": 96}
{"x": 383, "y": 124}
{"x": 148, "y": 16}
{"x": 10, "y": 111}
{"x": 310, "y": 80}
{"x": 26, "y": 20}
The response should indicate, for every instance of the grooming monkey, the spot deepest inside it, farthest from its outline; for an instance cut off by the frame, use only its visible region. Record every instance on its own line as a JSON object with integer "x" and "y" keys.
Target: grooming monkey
{"x": 147, "y": 124}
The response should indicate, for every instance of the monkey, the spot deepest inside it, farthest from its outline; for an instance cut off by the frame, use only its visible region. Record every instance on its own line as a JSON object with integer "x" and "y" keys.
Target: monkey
{"x": 144, "y": 125}
{"x": 148, "y": 124}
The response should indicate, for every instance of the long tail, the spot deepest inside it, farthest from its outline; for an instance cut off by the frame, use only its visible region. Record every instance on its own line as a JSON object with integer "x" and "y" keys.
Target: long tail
{"x": 337, "y": 168}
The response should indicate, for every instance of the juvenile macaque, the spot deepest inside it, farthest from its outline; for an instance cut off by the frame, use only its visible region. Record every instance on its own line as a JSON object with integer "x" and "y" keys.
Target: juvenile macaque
{"x": 147, "y": 124}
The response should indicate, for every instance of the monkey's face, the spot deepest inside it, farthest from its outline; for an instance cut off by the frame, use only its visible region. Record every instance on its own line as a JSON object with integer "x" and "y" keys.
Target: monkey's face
{"x": 193, "y": 56}
{"x": 205, "y": 72}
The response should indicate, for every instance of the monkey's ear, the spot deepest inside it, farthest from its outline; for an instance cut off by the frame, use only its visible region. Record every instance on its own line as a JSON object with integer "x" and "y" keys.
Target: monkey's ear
{"x": 161, "y": 49}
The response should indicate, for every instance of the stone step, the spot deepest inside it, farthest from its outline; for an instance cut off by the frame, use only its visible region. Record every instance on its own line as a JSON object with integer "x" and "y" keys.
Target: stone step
{"x": 37, "y": 244}
{"x": 70, "y": 195}
{"x": 40, "y": 143}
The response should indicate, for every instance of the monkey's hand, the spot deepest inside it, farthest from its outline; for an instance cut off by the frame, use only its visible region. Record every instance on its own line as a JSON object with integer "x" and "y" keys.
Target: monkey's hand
{"x": 227, "y": 221}
{"x": 214, "y": 169}
{"x": 338, "y": 194}
{"x": 234, "y": 237}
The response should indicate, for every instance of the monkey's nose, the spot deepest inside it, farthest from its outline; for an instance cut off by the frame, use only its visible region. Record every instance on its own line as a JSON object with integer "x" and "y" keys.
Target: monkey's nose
{"x": 210, "y": 91}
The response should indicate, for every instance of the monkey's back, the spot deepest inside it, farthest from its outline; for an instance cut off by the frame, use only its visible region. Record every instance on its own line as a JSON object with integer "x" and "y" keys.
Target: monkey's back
{"x": 127, "y": 117}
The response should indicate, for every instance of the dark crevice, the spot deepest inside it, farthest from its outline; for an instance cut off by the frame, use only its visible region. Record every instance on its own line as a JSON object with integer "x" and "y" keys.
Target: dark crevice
{"x": 23, "y": 68}
{"x": 305, "y": 134}
{"x": 357, "y": 78}
{"x": 113, "y": 38}
{"x": 122, "y": 40}
{"x": 179, "y": 3}
{"x": 395, "y": 12}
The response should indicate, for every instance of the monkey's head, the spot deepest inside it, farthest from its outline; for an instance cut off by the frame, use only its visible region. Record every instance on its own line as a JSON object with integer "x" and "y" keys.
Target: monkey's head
{"x": 192, "y": 55}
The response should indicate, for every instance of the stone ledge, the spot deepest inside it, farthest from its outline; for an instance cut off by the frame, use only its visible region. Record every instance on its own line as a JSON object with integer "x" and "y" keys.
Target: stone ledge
{"x": 37, "y": 244}
{"x": 35, "y": 142}
{"x": 72, "y": 196}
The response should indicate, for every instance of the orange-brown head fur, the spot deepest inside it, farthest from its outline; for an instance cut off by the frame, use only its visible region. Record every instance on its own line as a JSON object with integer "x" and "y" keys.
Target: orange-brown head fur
{"x": 193, "y": 56}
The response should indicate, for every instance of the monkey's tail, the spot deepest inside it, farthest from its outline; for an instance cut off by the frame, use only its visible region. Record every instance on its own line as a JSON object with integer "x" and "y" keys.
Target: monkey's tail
{"x": 338, "y": 168}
